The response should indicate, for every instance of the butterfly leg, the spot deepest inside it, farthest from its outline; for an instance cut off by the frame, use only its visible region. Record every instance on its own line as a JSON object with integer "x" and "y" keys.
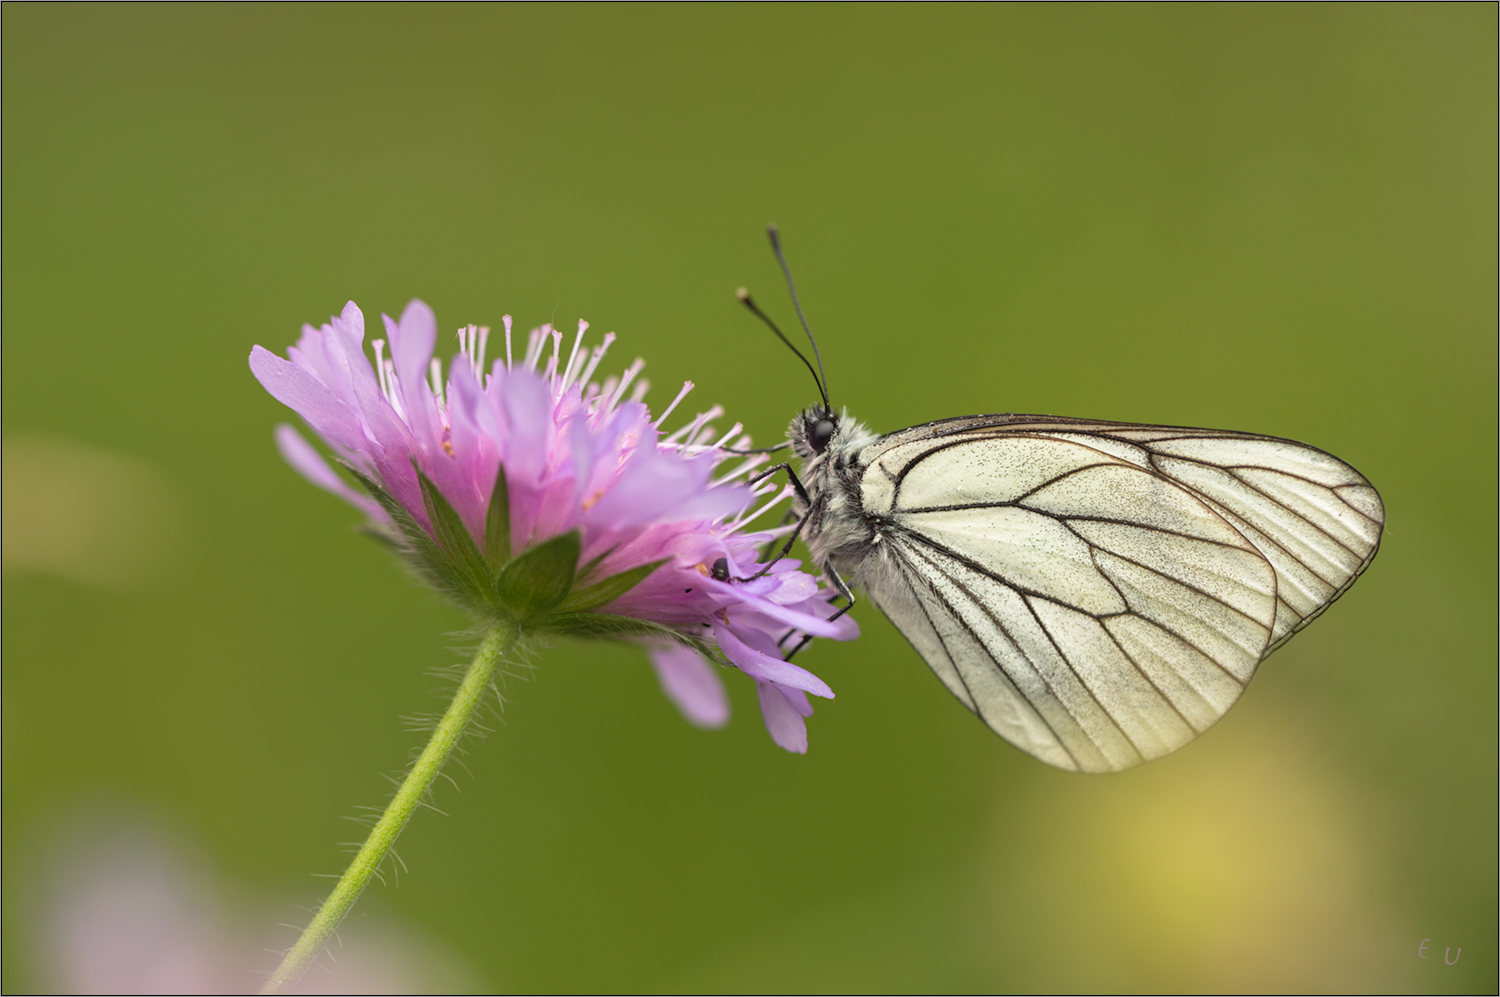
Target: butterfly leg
{"x": 796, "y": 481}
{"x": 785, "y": 549}
{"x": 790, "y": 517}
{"x": 757, "y": 450}
{"x": 796, "y": 530}
{"x": 841, "y": 588}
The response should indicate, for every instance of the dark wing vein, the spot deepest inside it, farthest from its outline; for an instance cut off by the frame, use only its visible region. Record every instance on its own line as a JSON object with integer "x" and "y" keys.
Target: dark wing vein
{"x": 1231, "y": 468}
{"x": 1010, "y": 679}
{"x": 1270, "y": 528}
{"x": 955, "y": 615}
{"x": 1067, "y": 660}
{"x": 1009, "y": 636}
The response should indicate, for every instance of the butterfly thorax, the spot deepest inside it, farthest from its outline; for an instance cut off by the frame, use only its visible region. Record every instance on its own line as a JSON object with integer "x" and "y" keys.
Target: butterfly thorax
{"x": 829, "y": 446}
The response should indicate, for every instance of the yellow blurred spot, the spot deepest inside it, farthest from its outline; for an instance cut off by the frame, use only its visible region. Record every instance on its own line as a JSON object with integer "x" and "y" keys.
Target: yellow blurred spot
{"x": 84, "y": 514}
{"x": 1237, "y": 864}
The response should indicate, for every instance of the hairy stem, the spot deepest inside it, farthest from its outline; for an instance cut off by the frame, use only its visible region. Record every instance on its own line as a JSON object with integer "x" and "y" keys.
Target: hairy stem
{"x": 470, "y": 694}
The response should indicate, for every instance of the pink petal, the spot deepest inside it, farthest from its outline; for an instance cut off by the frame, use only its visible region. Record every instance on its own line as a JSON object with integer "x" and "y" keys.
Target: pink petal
{"x": 692, "y": 685}
{"x": 783, "y": 723}
{"x": 763, "y": 667}
{"x": 304, "y": 394}
{"x": 350, "y": 325}
{"x": 310, "y": 464}
{"x": 412, "y": 343}
{"x": 764, "y": 613}
{"x": 798, "y": 699}
{"x": 843, "y": 628}
{"x": 792, "y": 587}
{"x": 528, "y": 413}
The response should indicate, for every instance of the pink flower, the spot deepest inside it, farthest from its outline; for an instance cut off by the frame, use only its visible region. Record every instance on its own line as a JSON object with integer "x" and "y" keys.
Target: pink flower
{"x": 555, "y": 501}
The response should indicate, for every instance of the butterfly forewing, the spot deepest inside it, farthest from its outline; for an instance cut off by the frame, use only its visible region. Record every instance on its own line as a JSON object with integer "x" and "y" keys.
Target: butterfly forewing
{"x": 1099, "y": 593}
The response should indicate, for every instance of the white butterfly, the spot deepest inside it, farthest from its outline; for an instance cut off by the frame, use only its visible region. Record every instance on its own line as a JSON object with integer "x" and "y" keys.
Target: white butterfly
{"x": 1098, "y": 593}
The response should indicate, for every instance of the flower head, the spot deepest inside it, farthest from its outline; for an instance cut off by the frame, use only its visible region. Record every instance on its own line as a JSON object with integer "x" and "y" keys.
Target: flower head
{"x": 532, "y": 492}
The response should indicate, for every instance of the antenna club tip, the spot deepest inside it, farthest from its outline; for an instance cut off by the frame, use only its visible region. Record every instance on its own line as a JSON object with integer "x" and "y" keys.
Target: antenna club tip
{"x": 742, "y": 293}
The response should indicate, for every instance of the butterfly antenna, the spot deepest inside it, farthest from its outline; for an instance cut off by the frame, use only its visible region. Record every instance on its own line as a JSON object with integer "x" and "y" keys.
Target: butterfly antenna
{"x": 744, "y": 295}
{"x": 775, "y": 235}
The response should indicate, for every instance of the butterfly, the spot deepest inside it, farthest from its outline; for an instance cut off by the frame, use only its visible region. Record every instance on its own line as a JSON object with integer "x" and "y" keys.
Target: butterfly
{"x": 1098, "y": 593}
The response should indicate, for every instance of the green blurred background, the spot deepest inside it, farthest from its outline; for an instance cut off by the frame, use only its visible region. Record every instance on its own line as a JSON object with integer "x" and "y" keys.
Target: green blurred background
{"x": 1271, "y": 218}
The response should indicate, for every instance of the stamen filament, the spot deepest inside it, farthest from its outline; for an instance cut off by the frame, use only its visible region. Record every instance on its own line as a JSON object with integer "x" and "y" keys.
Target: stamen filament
{"x": 686, "y": 387}
{"x": 752, "y": 517}
{"x": 729, "y": 435}
{"x": 597, "y": 356}
{"x": 577, "y": 342}
{"x": 629, "y": 375}
{"x": 379, "y": 345}
{"x": 686, "y": 432}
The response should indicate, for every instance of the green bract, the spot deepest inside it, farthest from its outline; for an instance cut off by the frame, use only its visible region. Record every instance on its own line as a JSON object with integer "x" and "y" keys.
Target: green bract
{"x": 538, "y": 590}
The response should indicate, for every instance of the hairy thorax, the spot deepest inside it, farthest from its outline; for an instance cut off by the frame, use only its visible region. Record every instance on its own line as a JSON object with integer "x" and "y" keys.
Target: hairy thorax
{"x": 837, "y": 531}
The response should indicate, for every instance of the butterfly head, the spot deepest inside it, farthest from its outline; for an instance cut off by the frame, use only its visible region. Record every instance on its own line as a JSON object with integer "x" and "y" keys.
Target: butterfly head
{"x": 812, "y": 431}
{"x": 820, "y": 426}
{"x": 821, "y": 437}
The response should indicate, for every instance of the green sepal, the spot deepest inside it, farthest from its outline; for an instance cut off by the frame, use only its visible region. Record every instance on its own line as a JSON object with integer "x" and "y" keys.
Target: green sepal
{"x": 422, "y": 552}
{"x": 587, "y": 571}
{"x": 454, "y": 538}
{"x": 608, "y": 590}
{"x": 382, "y": 536}
{"x": 541, "y": 578}
{"x": 497, "y": 523}
{"x": 604, "y": 625}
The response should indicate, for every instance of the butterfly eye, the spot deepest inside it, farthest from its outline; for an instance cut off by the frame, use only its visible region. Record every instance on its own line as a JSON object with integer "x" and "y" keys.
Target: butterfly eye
{"x": 820, "y": 435}
{"x": 720, "y": 570}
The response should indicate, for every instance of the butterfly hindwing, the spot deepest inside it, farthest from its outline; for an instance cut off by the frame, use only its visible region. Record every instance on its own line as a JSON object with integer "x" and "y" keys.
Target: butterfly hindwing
{"x": 1100, "y": 593}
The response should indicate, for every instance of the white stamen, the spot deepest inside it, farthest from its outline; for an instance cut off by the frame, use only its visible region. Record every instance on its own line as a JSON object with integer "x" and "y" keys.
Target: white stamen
{"x": 567, "y": 377}
{"x": 686, "y": 432}
{"x": 506, "y": 320}
{"x": 556, "y": 351}
{"x": 641, "y": 387}
{"x": 752, "y": 517}
{"x": 468, "y": 340}
{"x": 598, "y": 354}
{"x": 484, "y": 342}
{"x": 763, "y": 488}
{"x": 610, "y": 384}
{"x": 686, "y": 387}
{"x": 630, "y": 373}
{"x": 745, "y": 467}
{"x": 729, "y": 435}
{"x": 435, "y": 375}
{"x": 533, "y": 347}
{"x": 394, "y": 384}
{"x": 379, "y": 344}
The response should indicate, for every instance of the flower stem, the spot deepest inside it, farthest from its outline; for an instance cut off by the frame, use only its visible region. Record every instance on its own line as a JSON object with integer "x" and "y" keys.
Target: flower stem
{"x": 470, "y": 694}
